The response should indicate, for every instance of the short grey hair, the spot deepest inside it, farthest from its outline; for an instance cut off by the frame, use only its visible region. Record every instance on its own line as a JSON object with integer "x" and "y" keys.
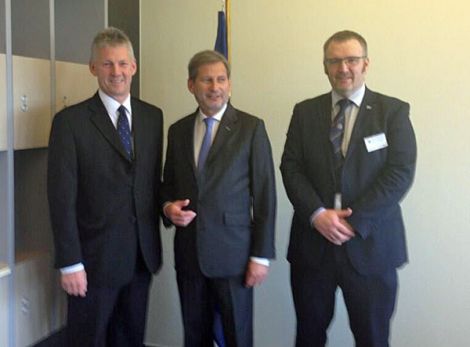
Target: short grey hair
{"x": 111, "y": 37}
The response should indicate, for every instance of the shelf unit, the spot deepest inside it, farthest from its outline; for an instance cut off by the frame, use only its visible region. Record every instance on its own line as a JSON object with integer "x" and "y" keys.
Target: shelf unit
{"x": 44, "y": 52}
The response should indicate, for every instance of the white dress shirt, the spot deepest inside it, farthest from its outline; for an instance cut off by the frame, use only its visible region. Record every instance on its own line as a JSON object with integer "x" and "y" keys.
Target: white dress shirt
{"x": 200, "y": 130}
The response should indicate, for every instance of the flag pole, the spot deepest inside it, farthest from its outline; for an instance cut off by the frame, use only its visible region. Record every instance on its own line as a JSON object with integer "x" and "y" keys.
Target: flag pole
{"x": 229, "y": 31}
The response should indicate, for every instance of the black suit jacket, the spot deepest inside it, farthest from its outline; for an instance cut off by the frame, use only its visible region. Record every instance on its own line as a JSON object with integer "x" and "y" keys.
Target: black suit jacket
{"x": 103, "y": 205}
{"x": 373, "y": 183}
{"x": 234, "y": 196}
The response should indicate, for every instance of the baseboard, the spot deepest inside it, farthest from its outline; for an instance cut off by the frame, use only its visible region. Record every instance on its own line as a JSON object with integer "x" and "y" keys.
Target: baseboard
{"x": 56, "y": 339}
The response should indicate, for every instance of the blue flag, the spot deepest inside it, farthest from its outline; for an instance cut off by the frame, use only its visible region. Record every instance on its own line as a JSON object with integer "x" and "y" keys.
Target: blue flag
{"x": 221, "y": 44}
{"x": 218, "y": 329}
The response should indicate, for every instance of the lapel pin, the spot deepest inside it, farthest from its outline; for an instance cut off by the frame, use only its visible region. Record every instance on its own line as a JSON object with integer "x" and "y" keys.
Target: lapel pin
{"x": 369, "y": 107}
{"x": 227, "y": 128}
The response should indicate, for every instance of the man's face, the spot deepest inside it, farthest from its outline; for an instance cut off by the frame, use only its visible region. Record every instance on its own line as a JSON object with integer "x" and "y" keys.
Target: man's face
{"x": 211, "y": 87}
{"x": 114, "y": 69}
{"x": 346, "y": 66}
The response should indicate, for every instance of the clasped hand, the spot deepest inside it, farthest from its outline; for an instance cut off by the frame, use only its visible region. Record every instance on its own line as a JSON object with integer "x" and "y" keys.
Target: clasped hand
{"x": 333, "y": 226}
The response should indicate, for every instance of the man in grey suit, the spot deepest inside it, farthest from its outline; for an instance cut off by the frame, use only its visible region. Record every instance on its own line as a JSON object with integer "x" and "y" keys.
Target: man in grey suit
{"x": 222, "y": 201}
{"x": 104, "y": 172}
{"x": 349, "y": 159}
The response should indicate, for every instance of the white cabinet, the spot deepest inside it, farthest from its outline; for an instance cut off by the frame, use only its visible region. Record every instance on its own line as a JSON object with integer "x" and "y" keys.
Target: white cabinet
{"x": 31, "y": 102}
{"x": 74, "y": 83}
{"x": 37, "y": 295}
{"x": 3, "y": 312}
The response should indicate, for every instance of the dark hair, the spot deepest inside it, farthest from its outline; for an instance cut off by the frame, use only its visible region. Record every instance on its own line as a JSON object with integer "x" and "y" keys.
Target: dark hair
{"x": 345, "y": 35}
{"x": 203, "y": 58}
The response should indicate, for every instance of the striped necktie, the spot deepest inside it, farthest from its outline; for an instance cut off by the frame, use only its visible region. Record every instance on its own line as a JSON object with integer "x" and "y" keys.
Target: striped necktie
{"x": 336, "y": 138}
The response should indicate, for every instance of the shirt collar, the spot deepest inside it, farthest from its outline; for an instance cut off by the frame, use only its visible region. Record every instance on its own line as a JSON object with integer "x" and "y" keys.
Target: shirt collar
{"x": 218, "y": 116}
{"x": 356, "y": 97}
{"x": 112, "y": 104}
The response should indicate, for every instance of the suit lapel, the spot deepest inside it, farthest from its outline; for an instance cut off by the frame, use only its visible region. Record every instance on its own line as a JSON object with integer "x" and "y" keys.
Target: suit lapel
{"x": 325, "y": 113}
{"x": 226, "y": 128}
{"x": 100, "y": 117}
{"x": 188, "y": 140}
{"x": 366, "y": 111}
{"x": 139, "y": 132}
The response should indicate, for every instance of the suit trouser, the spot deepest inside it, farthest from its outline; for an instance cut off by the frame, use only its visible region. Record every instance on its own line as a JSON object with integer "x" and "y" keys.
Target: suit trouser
{"x": 199, "y": 296}
{"x": 370, "y": 300}
{"x": 110, "y": 317}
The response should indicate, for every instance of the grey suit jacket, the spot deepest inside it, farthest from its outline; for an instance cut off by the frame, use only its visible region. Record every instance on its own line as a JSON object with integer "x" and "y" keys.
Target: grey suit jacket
{"x": 373, "y": 183}
{"x": 234, "y": 196}
{"x": 103, "y": 205}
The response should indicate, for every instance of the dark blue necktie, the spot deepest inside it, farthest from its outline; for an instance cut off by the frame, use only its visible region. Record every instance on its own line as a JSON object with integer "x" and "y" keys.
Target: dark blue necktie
{"x": 206, "y": 143}
{"x": 336, "y": 138}
{"x": 124, "y": 130}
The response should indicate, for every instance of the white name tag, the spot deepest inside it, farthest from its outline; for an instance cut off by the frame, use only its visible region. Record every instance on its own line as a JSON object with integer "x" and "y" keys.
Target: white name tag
{"x": 375, "y": 142}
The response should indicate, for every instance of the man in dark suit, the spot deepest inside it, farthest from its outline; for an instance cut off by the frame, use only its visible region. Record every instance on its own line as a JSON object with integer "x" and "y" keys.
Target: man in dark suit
{"x": 103, "y": 180}
{"x": 223, "y": 203}
{"x": 348, "y": 160}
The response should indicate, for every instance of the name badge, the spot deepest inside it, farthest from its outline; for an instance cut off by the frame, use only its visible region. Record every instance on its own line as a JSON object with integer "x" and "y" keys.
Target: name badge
{"x": 375, "y": 142}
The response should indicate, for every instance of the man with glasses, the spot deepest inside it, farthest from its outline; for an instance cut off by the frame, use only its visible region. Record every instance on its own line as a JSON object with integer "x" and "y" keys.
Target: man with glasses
{"x": 348, "y": 160}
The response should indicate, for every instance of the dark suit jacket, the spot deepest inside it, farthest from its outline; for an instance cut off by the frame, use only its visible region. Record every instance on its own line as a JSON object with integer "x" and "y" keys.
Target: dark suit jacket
{"x": 103, "y": 205}
{"x": 372, "y": 186}
{"x": 234, "y": 197}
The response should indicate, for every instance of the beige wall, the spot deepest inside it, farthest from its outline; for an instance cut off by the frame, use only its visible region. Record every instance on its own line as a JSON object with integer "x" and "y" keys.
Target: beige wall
{"x": 419, "y": 53}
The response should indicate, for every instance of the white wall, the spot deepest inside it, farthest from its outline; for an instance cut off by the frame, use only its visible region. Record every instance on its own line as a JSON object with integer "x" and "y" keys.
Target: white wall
{"x": 419, "y": 52}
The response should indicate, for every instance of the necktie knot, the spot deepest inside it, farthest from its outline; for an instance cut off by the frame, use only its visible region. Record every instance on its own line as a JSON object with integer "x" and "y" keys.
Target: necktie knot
{"x": 343, "y": 104}
{"x": 209, "y": 123}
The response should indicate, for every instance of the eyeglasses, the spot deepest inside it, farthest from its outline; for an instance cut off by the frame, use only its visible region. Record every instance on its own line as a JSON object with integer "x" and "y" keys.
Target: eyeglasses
{"x": 349, "y": 61}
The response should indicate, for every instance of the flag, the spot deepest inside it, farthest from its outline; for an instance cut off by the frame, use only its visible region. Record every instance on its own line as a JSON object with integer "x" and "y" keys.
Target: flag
{"x": 218, "y": 329}
{"x": 221, "y": 44}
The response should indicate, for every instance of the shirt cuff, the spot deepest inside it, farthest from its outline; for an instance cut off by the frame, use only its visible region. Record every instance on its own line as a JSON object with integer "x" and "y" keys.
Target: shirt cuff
{"x": 315, "y": 214}
{"x": 72, "y": 268}
{"x": 261, "y": 261}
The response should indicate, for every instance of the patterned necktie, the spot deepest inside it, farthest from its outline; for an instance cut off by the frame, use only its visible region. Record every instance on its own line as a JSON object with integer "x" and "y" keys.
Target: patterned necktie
{"x": 206, "y": 143}
{"x": 336, "y": 137}
{"x": 124, "y": 131}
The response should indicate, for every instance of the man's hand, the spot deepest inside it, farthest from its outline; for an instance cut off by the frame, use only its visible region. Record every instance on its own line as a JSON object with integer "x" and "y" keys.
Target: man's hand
{"x": 179, "y": 217}
{"x": 333, "y": 226}
{"x": 255, "y": 274}
{"x": 75, "y": 283}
